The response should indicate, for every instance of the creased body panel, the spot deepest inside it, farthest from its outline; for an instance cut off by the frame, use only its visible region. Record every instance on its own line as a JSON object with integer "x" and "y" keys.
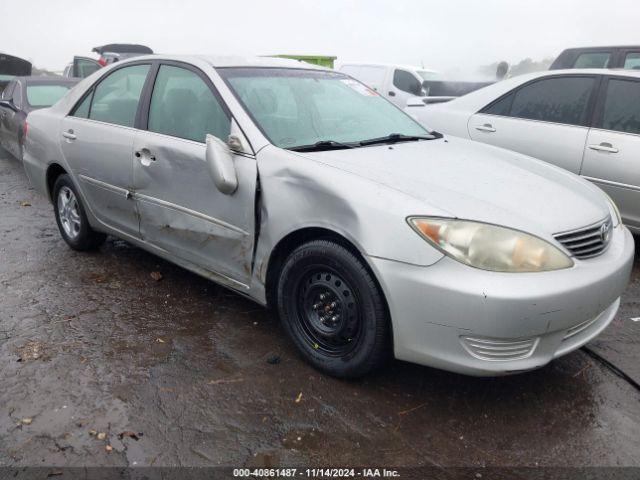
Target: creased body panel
{"x": 182, "y": 212}
{"x": 297, "y": 192}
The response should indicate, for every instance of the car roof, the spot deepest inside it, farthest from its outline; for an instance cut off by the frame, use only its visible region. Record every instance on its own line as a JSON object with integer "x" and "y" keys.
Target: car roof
{"x": 591, "y": 71}
{"x": 606, "y": 47}
{"x": 50, "y": 80}
{"x": 224, "y": 61}
{"x": 122, "y": 48}
{"x": 386, "y": 65}
{"x": 479, "y": 98}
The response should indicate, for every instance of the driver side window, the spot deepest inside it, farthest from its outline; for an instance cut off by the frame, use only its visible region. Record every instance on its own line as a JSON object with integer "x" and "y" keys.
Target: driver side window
{"x": 406, "y": 82}
{"x": 183, "y": 106}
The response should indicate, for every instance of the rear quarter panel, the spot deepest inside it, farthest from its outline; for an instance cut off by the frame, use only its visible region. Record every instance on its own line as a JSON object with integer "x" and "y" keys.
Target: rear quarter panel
{"x": 41, "y": 147}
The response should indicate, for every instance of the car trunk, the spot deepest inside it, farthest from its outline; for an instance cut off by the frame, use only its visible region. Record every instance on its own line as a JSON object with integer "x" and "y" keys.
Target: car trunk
{"x": 10, "y": 67}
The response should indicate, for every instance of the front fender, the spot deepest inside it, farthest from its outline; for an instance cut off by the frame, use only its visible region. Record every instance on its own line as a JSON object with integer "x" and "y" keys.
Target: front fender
{"x": 298, "y": 193}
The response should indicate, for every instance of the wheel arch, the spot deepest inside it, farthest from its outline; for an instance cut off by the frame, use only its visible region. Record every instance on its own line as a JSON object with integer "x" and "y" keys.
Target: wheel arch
{"x": 54, "y": 170}
{"x": 299, "y": 237}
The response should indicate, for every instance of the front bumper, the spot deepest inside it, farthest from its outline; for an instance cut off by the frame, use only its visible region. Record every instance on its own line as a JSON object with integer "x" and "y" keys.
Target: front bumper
{"x": 466, "y": 320}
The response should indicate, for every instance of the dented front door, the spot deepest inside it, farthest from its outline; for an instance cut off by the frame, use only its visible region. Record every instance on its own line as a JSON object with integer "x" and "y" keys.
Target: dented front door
{"x": 182, "y": 212}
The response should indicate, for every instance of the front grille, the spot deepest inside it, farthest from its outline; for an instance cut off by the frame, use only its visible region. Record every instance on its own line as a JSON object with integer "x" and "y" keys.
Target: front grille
{"x": 498, "y": 349}
{"x": 589, "y": 241}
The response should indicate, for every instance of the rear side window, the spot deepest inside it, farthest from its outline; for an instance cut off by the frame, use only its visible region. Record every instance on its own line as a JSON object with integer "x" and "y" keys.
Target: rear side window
{"x": 632, "y": 61}
{"x": 82, "y": 110}
{"x": 45, "y": 95}
{"x": 406, "y": 82}
{"x": 501, "y": 107}
{"x": 116, "y": 98}
{"x": 183, "y": 105}
{"x": 593, "y": 60}
{"x": 85, "y": 67}
{"x": 17, "y": 95}
{"x": 622, "y": 106}
{"x": 558, "y": 100}
{"x": 8, "y": 91}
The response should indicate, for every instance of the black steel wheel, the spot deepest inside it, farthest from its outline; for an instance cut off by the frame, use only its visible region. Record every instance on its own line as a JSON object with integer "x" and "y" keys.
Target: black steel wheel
{"x": 329, "y": 314}
{"x": 332, "y": 308}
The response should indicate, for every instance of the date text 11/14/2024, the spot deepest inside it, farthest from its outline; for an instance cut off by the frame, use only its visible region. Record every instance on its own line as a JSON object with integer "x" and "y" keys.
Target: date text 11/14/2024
{"x": 316, "y": 472}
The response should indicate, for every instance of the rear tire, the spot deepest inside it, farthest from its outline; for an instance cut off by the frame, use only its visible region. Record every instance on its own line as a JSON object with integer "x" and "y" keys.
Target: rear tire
{"x": 332, "y": 308}
{"x": 71, "y": 217}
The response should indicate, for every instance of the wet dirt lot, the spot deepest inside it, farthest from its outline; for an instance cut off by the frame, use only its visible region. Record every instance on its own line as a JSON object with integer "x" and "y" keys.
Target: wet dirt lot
{"x": 101, "y": 364}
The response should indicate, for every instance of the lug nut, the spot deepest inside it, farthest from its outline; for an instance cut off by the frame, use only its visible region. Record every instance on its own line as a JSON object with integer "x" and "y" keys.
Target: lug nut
{"x": 316, "y": 306}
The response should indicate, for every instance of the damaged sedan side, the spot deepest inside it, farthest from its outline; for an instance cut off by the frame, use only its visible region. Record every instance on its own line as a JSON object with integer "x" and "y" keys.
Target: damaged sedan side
{"x": 302, "y": 188}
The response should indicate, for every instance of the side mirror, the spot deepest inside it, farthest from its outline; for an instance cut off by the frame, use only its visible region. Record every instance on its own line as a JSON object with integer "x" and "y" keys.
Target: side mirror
{"x": 8, "y": 104}
{"x": 220, "y": 164}
{"x": 415, "y": 102}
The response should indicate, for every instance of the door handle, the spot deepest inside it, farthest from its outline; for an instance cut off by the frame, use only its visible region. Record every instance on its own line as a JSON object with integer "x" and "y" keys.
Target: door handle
{"x": 604, "y": 147}
{"x": 69, "y": 135}
{"x": 487, "y": 127}
{"x": 392, "y": 94}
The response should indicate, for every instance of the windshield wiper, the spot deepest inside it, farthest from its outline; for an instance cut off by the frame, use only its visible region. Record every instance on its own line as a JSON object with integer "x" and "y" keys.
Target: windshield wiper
{"x": 322, "y": 145}
{"x": 396, "y": 137}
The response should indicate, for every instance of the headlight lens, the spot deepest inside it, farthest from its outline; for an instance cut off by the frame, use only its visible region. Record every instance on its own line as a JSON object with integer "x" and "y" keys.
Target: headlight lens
{"x": 616, "y": 213}
{"x": 490, "y": 247}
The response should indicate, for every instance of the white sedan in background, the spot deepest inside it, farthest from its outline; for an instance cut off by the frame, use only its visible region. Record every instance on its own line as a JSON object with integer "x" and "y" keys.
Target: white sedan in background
{"x": 585, "y": 121}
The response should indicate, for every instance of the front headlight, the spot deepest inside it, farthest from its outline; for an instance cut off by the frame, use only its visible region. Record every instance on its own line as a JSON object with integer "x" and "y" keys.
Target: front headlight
{"x": 617, "y": 218}
{"x": 490, "y": 247}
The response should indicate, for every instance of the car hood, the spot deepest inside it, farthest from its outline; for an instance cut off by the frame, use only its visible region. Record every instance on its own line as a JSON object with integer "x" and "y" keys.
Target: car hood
{"x": 477, "y": 182}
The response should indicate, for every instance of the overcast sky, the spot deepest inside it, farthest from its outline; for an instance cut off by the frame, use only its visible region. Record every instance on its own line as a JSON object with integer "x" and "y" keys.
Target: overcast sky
{"x": 439, "y": 34}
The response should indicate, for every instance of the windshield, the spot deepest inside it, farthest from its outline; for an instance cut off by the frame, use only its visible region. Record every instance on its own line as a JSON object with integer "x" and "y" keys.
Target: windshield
{"x": 427, "y": 75}
{"x": 302, "y": 107}
{"x": 45, "y": 95}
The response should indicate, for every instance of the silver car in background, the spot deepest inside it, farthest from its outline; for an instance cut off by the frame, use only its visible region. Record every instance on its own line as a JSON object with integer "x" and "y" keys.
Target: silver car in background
{"x": 586, "y": 121}
{"x": 301, "y": 188}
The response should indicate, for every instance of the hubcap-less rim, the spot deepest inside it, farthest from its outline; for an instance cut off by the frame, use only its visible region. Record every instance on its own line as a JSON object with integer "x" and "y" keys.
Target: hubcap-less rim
{"x": 328, "y": 312}
{"x": 68, "y": 212}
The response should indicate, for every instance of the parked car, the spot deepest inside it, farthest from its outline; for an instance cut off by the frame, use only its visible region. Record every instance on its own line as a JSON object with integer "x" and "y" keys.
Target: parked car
{"x": 24, "y": 95}
{"x": 299, "y": 187}
{"x": 11, "y": 67}
{"x": 585, "y": 121}
{"x": 598, "y": 57}
{"x": 82, "y": 67}
{"x": 397, "y": 83}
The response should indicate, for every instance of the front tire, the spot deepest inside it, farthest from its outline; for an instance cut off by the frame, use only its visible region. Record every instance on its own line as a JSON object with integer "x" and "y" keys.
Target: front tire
{"x": 71, "y": 217}
{"x": 332, "y": 308}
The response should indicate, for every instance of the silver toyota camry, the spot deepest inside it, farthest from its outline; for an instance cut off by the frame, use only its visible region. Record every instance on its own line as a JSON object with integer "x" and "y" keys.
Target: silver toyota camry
{"x": 303, "y": 189}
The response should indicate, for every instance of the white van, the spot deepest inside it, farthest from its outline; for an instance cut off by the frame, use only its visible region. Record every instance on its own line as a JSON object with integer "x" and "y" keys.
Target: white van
{"x": 397, "y": 83}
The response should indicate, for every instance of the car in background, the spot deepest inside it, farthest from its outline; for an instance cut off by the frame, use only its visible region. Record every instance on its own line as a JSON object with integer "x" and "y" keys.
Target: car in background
{"x": 585, "y": 121}
{"x": 627, "y": 57}
{"x": 396, "y": 83}
{"x": 11, "y": 67}
{"x": 22, "y": 96}
{"x": 302, "y": 188}
{"x": 82, "y": 67}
